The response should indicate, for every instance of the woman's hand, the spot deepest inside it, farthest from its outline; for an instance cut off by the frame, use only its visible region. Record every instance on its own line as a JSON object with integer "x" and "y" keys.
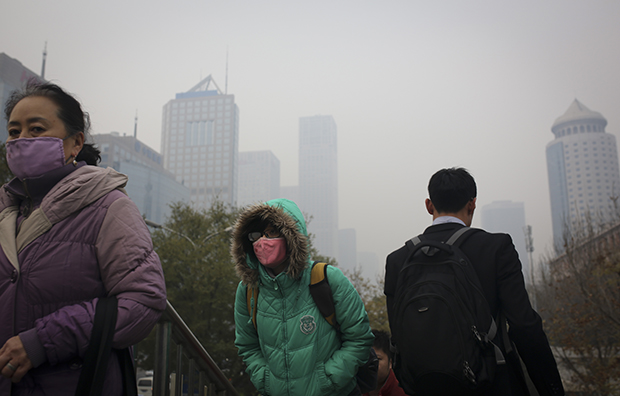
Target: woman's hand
{"x": 14, "y": 361}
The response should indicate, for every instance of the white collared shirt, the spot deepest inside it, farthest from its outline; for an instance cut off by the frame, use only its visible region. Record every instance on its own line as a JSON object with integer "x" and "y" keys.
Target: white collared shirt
{"x": 448, "y": 219}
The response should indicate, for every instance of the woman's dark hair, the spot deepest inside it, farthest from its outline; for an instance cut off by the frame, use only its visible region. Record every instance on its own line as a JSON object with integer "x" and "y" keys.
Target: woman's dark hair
{"x": 70, "y": 113}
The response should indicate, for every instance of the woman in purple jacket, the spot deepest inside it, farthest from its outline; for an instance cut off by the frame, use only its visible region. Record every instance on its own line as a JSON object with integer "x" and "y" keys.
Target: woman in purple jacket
{"x": 69, "y": 235}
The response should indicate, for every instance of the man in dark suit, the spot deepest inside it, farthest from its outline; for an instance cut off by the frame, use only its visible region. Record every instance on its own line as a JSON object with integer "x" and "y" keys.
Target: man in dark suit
{"x": 452, "y": 203}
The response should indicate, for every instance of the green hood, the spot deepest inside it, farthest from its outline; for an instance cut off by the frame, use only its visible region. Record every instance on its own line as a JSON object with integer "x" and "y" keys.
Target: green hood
{"x": 284, "y": 215}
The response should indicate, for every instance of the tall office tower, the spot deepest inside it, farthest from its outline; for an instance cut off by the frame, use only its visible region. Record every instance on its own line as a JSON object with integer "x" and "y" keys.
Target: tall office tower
{"x": 13, "y": 75}
{"x": 150, "y": 186}
{"x": 509, "y": 217}
{"x": 259, "y": 177}
{"x": 582, "y": 163}
{"x": 200, "y": 140}
{"x": 318, "y": 180}
{"x": 347, "y": 249}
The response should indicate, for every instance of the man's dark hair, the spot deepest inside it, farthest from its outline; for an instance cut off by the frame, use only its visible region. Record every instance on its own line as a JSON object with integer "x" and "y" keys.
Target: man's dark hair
{"x": 451, "y": 189}
{"x": 382, "y": 341}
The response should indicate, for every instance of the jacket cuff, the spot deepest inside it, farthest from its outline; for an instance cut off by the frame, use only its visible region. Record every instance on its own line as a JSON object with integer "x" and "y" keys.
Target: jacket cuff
{"x": 33, "y": 346}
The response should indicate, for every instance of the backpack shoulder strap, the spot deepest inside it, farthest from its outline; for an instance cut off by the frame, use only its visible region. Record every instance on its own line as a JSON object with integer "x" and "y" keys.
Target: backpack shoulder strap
{"x": 321, "y": 293}
{"x": 411, "y": 243}
{"x": 252, "y": 301}
{"x": 460, "y": 235}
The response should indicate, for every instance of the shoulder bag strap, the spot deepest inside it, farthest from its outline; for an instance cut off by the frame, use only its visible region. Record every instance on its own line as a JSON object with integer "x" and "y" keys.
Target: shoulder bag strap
{"x": 128, "y": 372}
{"x": 97, "y": 355}
{"x": 322, "y": 295}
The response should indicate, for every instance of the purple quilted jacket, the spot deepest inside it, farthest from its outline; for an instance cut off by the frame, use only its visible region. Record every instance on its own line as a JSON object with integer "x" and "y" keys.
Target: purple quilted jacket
{"x": 67, "y": 239}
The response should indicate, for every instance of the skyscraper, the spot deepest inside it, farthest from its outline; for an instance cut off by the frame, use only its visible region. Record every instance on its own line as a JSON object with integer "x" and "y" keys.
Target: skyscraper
{"x": 200, "y": 140}
{"x": 150, "y": 186}
{"x": 259, "y": 177}
{"x": 318, "y": 180}
{"x": 509, "y": 217}
{"x": 347, "y": 249}
{"x": 582, "y": 163}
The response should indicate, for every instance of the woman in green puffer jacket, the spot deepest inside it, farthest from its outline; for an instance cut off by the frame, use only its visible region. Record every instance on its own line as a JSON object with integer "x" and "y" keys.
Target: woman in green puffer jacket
{"x": 293, "y": 350}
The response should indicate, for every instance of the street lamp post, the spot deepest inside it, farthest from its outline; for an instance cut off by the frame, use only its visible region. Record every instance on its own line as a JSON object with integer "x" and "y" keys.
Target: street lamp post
{"x": 227, "y": 229}
{"x": 157, "y": 225}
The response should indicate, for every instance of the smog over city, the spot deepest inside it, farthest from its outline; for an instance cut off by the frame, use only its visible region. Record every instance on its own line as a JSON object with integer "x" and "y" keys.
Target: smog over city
{"x": 412, "y": 87}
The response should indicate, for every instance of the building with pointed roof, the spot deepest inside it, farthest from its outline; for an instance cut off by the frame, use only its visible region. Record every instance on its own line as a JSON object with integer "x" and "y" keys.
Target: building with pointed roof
{"x": 200, "y": 142}
{"x": 582, "y": 164}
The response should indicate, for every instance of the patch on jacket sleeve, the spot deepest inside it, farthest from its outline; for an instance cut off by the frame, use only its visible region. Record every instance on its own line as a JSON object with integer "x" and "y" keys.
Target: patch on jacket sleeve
{"x": 308, "y": 325}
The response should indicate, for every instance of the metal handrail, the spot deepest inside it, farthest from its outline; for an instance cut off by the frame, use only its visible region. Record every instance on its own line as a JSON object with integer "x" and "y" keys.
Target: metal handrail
{"x": 172, "y": 328}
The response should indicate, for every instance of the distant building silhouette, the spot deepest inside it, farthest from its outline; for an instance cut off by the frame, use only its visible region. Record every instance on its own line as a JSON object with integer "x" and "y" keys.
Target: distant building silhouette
{"x": 582, "y": 163}
{"x": 259, "y": 177}
{"x": 509, "y": 217}
{"x": 150, "y": 186}
{"x": 13, "y": 75}
{"x": 370, "y": 264}
{"x": 200, "y": 140}
{"x": 347, "y": 249}
{"x": 318, "y": 180}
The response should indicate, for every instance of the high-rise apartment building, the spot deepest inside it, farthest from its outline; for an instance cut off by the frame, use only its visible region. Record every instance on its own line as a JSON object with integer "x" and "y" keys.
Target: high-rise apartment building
{"x": 200, "y": 140}
{"x": 13, "y": 75}
{"x": 150, "y": 186}
{"x": 318, "y": 180}
{"x": 259, "y": 177}
{"x": 509, "y": 217}
{"x": 582, "y": 163}
{"x": 347, "y": 249}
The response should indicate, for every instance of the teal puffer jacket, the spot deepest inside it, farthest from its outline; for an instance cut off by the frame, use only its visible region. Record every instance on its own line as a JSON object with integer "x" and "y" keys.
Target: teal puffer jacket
{"x": 294, "y": 350}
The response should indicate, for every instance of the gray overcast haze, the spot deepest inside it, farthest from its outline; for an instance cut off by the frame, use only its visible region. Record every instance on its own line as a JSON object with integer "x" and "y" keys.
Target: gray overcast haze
{"x": 413, "y": 86}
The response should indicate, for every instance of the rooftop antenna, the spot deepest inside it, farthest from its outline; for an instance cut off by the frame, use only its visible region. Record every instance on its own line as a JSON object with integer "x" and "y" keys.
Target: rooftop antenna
{"x": 135, "y": 126}
{"x": 43, "y": 65}
{"x": 226, "y": 83}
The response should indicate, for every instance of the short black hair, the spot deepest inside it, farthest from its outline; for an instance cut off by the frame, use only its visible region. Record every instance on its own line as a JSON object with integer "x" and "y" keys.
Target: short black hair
{"x": 451, "y": 189}
{"x": 382, "y": 341}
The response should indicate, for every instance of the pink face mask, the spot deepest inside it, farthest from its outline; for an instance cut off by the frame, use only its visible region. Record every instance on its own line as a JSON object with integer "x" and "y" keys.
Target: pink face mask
{"x": 32, "y": 157}
{"x": 271, "y": 252}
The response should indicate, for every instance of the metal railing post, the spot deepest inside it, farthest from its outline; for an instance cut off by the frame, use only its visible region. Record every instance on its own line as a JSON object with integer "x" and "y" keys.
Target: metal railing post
{"x": 178, "y": 391}
{"x": 191, "y": 377}
{"x": 211, "y": 380}
{"x": 162, "y": 359}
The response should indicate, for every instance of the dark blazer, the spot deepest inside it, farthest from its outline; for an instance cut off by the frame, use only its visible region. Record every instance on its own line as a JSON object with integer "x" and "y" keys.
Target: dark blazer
{"x": 497, "y": 264}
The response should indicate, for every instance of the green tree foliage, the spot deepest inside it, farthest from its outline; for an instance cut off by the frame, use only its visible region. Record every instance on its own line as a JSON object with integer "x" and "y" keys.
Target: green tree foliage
{"x": 201, "y": 283}
{"x": 373, "y": 298}
{"x": 313, "y": 251}
{"x": 580, "y": 300}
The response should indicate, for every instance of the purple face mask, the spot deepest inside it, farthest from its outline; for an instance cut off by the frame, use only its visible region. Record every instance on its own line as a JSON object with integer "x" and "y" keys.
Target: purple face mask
{"x": 32, "y": 157}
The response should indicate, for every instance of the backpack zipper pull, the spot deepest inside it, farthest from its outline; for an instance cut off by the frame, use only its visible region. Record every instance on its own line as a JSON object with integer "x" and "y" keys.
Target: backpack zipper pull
{"x": 469, "y": 373}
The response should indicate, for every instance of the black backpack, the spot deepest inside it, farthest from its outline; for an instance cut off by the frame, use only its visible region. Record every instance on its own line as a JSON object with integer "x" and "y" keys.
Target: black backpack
{"x": 442, "y": 327}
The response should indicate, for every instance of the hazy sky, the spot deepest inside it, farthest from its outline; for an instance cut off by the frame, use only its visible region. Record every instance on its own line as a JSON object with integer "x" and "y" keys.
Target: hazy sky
{"x": 413, "y": 86}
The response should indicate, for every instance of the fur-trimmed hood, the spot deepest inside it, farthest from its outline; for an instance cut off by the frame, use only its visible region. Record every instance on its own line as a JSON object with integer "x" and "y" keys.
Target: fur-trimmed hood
{"x": 284, "y": 215}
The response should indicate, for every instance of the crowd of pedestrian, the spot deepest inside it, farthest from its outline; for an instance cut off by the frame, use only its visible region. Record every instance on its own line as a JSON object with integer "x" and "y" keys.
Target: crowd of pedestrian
{"x": 77, "y": 257}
